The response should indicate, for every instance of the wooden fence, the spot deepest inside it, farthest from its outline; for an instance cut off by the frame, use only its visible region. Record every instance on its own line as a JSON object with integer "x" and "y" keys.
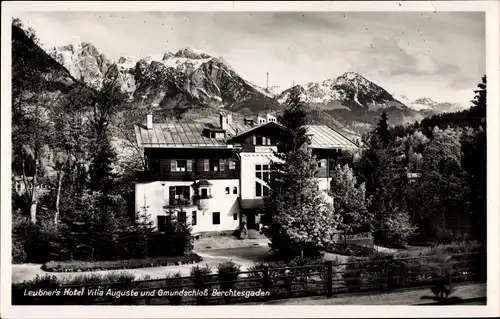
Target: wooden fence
{"x": 264, "y": 283}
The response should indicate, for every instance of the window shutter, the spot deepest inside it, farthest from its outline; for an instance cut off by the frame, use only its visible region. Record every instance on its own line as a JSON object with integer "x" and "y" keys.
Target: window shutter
{"x": 189, "y": 165}
{"x": 221, "y": 164}
{"x": 173, "y": 165}
{"x": 254, "y": 140}
{"x": 206, "y": 166}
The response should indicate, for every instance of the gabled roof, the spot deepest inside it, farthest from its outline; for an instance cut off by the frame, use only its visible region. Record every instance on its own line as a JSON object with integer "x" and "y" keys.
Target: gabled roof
{"x": 322, "y": 136}
{"x": 325, "y": 137}
{"x": 190, "y": 135}
{"x": 183, "y": 135}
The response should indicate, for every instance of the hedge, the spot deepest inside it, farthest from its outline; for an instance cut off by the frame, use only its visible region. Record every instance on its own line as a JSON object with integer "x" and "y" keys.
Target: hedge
{"x": 351, "y": 250}
{"x": 79, "y": 266}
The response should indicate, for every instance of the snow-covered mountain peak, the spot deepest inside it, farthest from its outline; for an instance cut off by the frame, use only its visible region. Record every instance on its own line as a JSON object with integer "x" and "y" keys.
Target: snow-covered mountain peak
{"x": 425, "y": 101}
{"x": 192, "y": 53}
{"x": 83, "y": 61}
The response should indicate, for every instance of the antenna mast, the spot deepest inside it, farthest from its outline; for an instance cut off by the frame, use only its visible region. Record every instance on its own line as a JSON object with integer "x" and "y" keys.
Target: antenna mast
{"x": 267, "y": 81}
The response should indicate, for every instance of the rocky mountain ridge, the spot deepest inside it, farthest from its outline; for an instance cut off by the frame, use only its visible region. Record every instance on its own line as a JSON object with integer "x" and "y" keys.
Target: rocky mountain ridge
{"x": 191, "y": 78}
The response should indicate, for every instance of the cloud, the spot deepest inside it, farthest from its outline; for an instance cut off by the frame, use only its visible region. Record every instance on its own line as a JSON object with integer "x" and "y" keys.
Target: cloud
{"x": 388, "y": 57}
{"x": 408, "y": 51}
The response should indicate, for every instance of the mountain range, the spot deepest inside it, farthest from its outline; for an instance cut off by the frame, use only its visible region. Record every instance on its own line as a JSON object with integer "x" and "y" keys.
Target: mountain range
{"x": 189, "y": 79}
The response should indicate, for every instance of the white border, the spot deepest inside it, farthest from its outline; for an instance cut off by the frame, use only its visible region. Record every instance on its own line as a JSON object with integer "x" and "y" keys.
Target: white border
{"x": 492, "y": 37}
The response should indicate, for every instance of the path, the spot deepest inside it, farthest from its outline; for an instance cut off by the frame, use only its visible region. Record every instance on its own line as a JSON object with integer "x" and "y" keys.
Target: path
{"x": 243, "y": 252}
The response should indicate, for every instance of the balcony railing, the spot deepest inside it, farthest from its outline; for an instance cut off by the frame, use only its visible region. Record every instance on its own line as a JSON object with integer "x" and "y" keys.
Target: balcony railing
{"x": 178, "y": 202}
{"x": 202, "y": 202}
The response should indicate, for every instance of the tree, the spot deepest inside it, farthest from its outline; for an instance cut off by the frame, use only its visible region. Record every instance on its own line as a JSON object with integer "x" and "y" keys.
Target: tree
{"x": 105, "y": 106}
{"x": 442, "y": 190}
{"x": 479, "y": 101}
{"x": 383, "y": 167}
{"x": 349, "y": 200}
{"x": 382, "y": 136}
{"x": 175, "y": 237}
{"x": 299, "y": 217}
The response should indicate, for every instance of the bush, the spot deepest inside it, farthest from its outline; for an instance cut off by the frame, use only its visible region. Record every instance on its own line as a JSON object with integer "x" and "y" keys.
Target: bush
{"x": 78, "y": 265}
{"x": 34, "y": 243}
{"x": 175, "y": 241}
{"x": 227, "y": 271}
{"x": 172, "y": 283}
{"x": 351, "y": 250}
{"x": 202, "y": 280}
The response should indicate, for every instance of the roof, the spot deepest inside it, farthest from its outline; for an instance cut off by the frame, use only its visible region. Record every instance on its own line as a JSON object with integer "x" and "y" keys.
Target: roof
{"x": 183, "y": 135}
{"x": 325, "y": 137}
{"x": 202, "y": 183}
{"x": 190, "y": 135}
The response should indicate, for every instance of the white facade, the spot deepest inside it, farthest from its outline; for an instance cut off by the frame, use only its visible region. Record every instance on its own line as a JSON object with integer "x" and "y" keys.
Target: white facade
{"x": 324, "y": 183}
{"x": 154, "y": 195}
{"x": 248, "y": 163}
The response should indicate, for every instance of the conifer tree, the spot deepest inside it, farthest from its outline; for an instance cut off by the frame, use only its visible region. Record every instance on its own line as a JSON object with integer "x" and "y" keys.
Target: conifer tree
{"x": 300, "y": 218}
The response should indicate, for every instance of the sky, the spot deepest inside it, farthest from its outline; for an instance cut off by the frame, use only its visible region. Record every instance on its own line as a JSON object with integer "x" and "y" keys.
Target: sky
{"x": 441, "y": 55}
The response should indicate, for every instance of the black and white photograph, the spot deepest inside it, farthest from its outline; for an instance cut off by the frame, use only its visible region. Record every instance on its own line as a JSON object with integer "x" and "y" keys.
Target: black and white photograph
{"x": 250, "y": 154}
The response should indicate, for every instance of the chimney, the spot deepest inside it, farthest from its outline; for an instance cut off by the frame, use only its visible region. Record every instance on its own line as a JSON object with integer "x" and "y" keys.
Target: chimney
{"x": 150, "y": 121}
{"x": 223, "y": 120}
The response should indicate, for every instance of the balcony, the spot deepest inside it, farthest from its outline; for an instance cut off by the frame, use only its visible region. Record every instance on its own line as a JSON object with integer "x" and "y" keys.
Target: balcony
{"x": 203, "y": 202}
{"x": 178, "y": 203}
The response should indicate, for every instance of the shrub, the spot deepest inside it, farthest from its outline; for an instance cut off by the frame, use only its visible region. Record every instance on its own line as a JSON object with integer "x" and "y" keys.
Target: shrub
{"x": 351, "y": 250}
{"x": 34, "y": 243}
{"x": 353, "y": 274}
{"x": 78, "y": 265}
{"x": 173, "y": 283}
{"x": 227, "y": 271}
{"x": 202, "y": 280}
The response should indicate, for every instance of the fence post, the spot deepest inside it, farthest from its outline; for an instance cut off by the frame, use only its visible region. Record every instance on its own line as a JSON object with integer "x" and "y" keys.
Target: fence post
{"x": 329, "y": 280}
{"x": 128, "y": 288}
{"x": 200, "y": 300}
{"x": 265, "y": 280}
{"x": 389, "y": 272}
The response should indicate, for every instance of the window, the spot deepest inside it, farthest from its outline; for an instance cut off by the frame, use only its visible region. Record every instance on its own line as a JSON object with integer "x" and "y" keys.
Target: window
{"x": 235, "y": 190}
{"x": 193, "y": 218}
{"x": 232, "y": 165}
{"x": 180, "y": 165}
{"x": 181, "y": 217}
{"x": 179, "y": 192}
{"x": 216, "y": 218}
{"x": 321, "y": 163}
{"x": 204, "y": 193}
{"x": 162, "y": 220}
{"x": 213, "y": 165}
{"x": 262, "y": 173}
{"x": 260, "y": 140}
{"x": 227, "y": 190}
{"x": 235, "y": 216}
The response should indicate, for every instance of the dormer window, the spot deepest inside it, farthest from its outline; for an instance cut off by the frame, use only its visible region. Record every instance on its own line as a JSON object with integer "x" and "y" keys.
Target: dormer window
{"x": 215, "y": 133}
